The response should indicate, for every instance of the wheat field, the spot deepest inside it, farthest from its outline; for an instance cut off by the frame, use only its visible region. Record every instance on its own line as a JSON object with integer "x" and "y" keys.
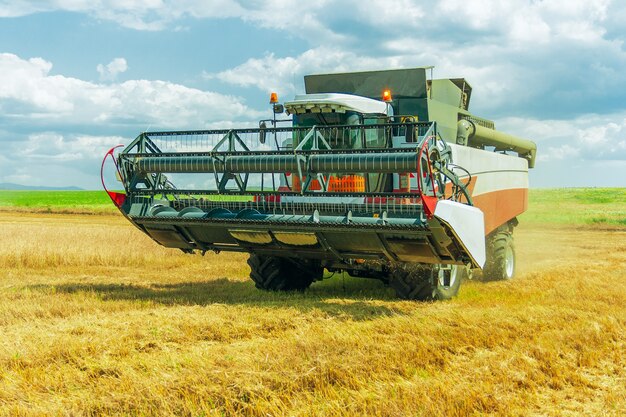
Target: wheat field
{"x": 97, "y": 319}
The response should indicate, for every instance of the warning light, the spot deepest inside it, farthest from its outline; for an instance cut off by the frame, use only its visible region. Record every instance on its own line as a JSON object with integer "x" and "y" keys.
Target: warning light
{"x": 273, "y": 98}
{"x": 387, "y": 96}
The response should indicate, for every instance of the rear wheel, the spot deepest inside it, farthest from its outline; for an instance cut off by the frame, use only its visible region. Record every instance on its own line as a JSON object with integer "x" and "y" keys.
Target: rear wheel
{"x": 283, "y": 274}
{"x": 500, "y": 263}
{"x": 427, "y": 282}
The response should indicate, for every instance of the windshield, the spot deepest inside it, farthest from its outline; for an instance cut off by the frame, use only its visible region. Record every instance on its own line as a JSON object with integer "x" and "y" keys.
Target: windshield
{"x": 347, "y": 138}
{"x": 337, "y": 138}
{"x": 353, "y": 136}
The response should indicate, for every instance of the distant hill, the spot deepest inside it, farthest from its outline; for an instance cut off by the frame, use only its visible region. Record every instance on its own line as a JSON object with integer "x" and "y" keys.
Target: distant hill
{"x": 19, "y": 187}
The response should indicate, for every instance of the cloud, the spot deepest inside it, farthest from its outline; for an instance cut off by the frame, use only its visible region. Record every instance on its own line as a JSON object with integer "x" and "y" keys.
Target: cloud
{"x": 30, "y": 93}
{"x": 284, "y": 75}
{"x": 56, "y": 159}
{"x": 523, "y": 20}
{"x": 586, "y": 151}
{"x": 606, "y": 140}
{"x": 145, "y": 15}
{"x": 554, "y": 59}
{"x": 54, "y": 146}
{"x": 17, "y": 8}
{"x": 112, "y": 69}
{"x": 57, "y": 128}
{"x": 589, "y": 137}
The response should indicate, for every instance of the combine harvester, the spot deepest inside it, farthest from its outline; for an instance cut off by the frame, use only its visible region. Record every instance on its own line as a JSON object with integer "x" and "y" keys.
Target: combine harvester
{"x": 411, "y": 189}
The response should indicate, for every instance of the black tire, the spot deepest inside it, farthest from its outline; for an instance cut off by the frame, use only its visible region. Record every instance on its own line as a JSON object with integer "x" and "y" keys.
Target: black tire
{"x": 500, "y": 262}
{"x": 283, "y": 274}
{"x": 427, "y": 282}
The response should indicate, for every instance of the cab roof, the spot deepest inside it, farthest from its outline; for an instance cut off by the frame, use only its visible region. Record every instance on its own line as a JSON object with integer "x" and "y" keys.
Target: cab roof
{"x": 334, "y": 103}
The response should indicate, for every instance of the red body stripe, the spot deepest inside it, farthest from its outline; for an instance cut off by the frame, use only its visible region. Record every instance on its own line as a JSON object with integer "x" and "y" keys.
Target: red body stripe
{"x": 501, "y": 206}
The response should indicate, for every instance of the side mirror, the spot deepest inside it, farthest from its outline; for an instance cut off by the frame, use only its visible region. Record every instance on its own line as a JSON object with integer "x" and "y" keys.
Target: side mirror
{"x": 410, "y": 133}
{"x": 262, "y": 132}
{"x": 409, "y": 129}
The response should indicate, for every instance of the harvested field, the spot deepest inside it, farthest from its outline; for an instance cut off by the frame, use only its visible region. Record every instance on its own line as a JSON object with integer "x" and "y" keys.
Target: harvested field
{"x": 97, "y": 319}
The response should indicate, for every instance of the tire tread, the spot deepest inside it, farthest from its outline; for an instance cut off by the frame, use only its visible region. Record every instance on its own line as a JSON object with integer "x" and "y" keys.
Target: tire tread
{"x": 495, "y": 266}
{"x": 281, "y": 274}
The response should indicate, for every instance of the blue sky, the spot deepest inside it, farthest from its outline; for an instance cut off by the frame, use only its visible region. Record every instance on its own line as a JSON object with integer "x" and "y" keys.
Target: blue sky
{"x": 78, "y": 77}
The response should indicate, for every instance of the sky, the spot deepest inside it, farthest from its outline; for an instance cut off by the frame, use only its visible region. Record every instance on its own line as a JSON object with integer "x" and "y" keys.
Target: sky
{"x": 80, "y": 76}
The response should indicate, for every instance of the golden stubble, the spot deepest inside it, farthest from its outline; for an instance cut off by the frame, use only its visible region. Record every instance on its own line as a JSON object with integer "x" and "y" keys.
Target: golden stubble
{"x": 96, "y": 318}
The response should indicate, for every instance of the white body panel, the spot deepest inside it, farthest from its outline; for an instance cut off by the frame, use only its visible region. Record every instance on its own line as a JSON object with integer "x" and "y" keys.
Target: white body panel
{"x": 467, "y": 223}
{"x": 493, "y": 171}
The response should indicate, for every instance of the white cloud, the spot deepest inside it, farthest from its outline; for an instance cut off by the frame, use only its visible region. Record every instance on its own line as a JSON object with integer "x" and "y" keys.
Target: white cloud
{"x": 385, "y": 14}
{"x": 57, "y": 159}
{"x": 304, "y": 19}
{"x": 23, "y": 81}
{"x": 285, "y": 75}
{"x": 586, "y": 151}
{"x": 58, "y": 99}
{"x": 522, "y": 20}
{"x": 558, "y": 153}
{"x": 110, "y": 71}
{"x": 54, "y": 146}
{"x": 606, "y": 140}
{"x": 16, "y": 8}
{"x": 150, "y": 15}
{"x": 520, "y": 56}
{"x": 528, "y": 21}
{"x": 54, "y": 110}
{"x": 588, "y": 137}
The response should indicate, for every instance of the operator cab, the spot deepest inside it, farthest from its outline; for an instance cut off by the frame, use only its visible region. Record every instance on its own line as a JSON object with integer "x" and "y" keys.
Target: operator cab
{"x": 333, "y": 109}
{"x": 334, "y": 115}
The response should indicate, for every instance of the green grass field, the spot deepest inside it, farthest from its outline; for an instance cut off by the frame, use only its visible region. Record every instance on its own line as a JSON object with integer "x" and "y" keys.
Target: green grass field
{"x": 575, "y": 206}
{"x": 57, "y": 201}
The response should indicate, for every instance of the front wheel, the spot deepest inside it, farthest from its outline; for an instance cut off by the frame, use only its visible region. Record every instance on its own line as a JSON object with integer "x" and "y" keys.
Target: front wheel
{"x": 427, "y": 282}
